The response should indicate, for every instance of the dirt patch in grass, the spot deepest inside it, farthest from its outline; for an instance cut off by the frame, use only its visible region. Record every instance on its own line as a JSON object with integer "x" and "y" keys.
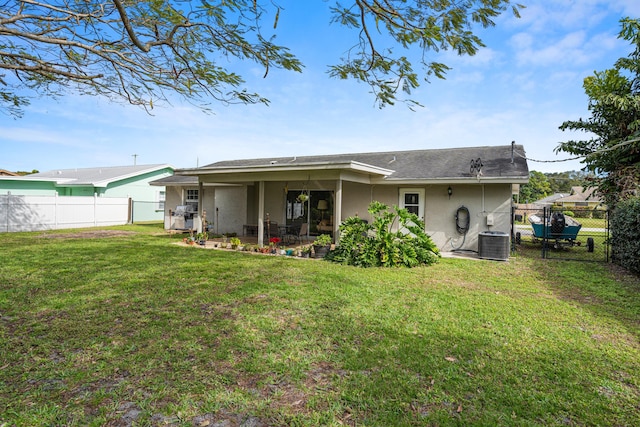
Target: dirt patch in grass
{"x": 93, "y": 234}
{"x": 623, "y": 275}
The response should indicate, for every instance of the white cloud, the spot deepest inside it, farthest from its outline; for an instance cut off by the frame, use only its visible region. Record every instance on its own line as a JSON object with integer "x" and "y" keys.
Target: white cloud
{"x": 627, "y": 7}
{"x": 544, "y": 16}
{"x": 31, "y": 136}
{"x": 568, "y": 50}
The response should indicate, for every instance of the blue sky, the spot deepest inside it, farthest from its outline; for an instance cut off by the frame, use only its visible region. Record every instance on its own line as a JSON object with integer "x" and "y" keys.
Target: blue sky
{"x": 521, "y": 87}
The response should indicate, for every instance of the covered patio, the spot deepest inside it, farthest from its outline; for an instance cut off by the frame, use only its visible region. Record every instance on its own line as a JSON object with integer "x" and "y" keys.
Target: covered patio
{"x": 293, "y": 202}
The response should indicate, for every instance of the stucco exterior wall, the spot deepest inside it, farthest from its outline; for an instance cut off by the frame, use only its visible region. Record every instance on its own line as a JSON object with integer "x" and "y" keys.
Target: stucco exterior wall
{"x": 491, "y": 201}
{"x": 274, "y": 202}
{"x": 26, "y": 188}
{"x": 356, "y": 199}
{"x": 239, "y": 205}
{"x": 138, "y": 187}
{"x": 84, "y": 191}
{"x": 173, "y": 198}
{"x": 231, "y": 203}
{"x": 483, "y": 201}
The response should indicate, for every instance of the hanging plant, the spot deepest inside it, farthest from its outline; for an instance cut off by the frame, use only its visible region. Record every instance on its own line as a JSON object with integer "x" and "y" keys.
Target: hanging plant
{"x": 302, "y": 197}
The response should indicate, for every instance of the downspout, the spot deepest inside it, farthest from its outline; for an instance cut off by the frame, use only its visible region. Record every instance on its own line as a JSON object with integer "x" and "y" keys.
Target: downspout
{"x": 200, "y": 205}
{"x": 483, "y": 211}
{"x": 337, "y": 208}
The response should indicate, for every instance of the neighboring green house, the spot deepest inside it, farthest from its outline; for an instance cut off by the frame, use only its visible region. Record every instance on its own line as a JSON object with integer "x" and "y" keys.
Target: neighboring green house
{"x": 115, "y": 181}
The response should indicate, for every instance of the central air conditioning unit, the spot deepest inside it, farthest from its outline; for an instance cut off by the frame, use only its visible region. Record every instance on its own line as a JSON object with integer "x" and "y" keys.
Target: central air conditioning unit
{"x": 493, "y": 245}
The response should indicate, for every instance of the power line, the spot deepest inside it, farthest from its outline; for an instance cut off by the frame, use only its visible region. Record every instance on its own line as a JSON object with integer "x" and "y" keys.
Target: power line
{"x": 603, "y": 150}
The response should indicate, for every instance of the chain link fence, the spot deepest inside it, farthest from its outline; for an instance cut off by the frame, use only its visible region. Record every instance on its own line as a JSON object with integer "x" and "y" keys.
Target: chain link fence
{"x": 562, "y": 233}
{"x": 146, "y": 211}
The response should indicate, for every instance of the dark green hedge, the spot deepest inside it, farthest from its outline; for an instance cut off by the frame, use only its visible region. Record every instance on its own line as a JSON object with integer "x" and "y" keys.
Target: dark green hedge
{"x": 585, "y": 212}
{"x": 624, "y": 225}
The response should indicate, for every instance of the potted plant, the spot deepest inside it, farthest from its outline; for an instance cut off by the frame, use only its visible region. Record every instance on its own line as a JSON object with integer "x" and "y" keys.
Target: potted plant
{"x": 273, "y": 244}
{"x": 305, "y": 251}
{"x": 235, "y": 242}
{"x": 202, "y": 238}
{"x": 321, "y": 245}
{"x": 302, "y": 197}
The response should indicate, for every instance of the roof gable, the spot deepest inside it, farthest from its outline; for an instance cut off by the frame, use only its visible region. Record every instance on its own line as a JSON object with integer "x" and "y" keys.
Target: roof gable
{"x": 97, "y": 177}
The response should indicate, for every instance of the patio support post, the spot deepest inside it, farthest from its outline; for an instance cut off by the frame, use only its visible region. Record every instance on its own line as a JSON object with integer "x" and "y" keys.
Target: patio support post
{"x": 261, "y": 213}
{"x": 200, "y": 225}
{"x": 337, "y": 208}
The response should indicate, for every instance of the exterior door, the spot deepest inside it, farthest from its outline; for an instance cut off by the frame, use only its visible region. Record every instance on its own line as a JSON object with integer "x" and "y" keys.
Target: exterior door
{"x": 412, "y": 199}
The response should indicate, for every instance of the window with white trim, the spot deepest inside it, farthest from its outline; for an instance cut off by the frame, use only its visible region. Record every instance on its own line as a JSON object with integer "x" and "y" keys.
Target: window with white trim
{"x": 412, "y": 199}
{"x": 162, "y": 198}
{"x": 192, "y": 196}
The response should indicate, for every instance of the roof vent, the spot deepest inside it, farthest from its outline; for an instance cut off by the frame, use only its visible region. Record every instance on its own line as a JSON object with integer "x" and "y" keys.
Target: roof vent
{"x": 476, "y": 166}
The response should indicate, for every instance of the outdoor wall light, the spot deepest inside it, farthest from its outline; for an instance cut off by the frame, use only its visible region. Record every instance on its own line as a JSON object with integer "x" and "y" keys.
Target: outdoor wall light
{"x": 449, "y": 191}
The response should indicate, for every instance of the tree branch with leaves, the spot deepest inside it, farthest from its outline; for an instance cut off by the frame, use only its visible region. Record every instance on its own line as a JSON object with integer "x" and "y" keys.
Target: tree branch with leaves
{"x": 612, "y": 151}
{"x": 146, "y": 51}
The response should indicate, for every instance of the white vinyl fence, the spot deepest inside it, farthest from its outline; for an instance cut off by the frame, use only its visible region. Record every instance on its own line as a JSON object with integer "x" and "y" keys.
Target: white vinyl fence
{"x": 34, "y": 213}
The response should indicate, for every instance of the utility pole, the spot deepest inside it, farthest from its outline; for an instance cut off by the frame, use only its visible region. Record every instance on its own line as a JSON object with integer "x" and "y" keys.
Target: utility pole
{"x": 135, "y": 158}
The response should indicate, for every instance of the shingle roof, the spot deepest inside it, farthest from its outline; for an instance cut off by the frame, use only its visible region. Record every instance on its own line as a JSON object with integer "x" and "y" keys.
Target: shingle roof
{"x": 176, "y": 180}
{"x": 97, "y": 177}
{"x": 414, "y": 164}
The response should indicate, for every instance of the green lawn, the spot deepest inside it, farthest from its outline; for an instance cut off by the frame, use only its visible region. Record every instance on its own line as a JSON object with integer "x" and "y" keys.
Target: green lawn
{"x": 134, "y": 330}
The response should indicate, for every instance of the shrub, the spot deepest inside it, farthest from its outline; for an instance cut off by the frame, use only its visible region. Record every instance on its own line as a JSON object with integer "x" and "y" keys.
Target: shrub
{"x": 377, "y": 244}
{"x": 625, "y": 234}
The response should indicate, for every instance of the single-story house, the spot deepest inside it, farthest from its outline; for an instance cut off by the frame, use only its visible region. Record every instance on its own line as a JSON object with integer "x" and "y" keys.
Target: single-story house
{"x": 114, "y": 181}
{"x": 580, "y": 198}
{"x": 446, "y": 188}
{"x": 582, "y": 202}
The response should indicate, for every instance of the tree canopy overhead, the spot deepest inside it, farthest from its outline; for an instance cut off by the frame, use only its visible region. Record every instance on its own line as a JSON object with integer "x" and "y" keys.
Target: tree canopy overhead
{"x": 142, "y": 51}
